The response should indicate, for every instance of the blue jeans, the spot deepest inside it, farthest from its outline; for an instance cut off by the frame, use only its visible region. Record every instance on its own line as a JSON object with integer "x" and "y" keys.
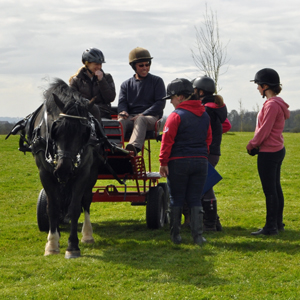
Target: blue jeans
{"x": 186, "y": 180}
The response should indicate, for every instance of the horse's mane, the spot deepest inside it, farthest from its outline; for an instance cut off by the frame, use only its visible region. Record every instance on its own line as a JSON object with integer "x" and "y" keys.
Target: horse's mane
{"x": 75, "y": 105}
{"x": 64, "y": 92}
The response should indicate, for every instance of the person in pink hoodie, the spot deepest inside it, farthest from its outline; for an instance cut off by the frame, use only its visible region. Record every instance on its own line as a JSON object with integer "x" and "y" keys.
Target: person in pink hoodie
{"x": 268, "y": 144}
{"x": 183, "y": 156}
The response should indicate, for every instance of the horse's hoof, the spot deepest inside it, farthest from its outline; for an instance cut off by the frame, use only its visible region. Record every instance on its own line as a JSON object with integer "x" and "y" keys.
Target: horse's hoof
{"x": 90, "y": 241}
{"x": 72, "y": 254}
{"x": 51, "y": 252}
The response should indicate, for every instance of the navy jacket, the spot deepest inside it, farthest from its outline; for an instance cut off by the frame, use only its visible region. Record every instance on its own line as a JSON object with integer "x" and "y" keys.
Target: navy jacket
{"x": 143, "y": 96}
{"x": 187, "y": 133}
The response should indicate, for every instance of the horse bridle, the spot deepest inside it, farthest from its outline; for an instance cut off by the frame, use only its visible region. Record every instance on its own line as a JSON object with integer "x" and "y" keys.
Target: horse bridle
{"x": 75, "y": 157}
{"x": 60, "y": 154}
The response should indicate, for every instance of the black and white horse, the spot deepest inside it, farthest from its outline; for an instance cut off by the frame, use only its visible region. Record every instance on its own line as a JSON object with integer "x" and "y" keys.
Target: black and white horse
{"x": 68, "y": 159}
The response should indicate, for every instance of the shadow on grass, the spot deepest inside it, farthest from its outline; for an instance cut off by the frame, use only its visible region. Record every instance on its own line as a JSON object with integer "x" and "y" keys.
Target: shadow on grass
{"x": 151, "y": 253}
{"x": 240, "y": 239}
{"x": 288, "y": 234}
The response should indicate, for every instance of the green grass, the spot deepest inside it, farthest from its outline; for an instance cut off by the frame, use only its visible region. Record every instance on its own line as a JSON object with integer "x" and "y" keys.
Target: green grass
{"x": 129, "y": 261}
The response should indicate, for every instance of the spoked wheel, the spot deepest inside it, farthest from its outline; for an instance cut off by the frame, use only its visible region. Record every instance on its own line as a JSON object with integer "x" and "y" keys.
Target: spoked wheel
{"x": 41, "y": 212}
{"x": 155, "y": 210}
{"x": 166, "y": 201}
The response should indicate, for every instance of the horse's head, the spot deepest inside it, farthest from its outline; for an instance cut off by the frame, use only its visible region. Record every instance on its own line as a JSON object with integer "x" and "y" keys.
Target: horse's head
{"x": 70, "y": 133}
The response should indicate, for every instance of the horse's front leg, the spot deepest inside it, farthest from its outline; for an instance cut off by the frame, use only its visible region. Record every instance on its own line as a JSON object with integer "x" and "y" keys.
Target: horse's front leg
{"x": 51, "y": 188}
{"x": 87, "y": 230}
{"x": 73, "y": 250}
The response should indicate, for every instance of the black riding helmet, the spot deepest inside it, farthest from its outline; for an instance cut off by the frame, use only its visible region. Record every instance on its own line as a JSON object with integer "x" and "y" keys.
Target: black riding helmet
{"x": 267, "y": 76}
{"x": 93, "y": 55}
{"x": 205, "y": 84}
{"x": 179, "y": 86}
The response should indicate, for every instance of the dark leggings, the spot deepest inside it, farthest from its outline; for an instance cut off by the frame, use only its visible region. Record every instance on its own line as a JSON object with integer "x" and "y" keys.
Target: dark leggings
{"x": 269, "y": 166}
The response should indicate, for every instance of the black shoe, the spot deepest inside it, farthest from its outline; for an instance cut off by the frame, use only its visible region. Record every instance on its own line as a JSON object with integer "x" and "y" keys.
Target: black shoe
{"x": 176, "y": 239}
{"x": 207, "y": 228}
{"x": 265, "y": 232}
{"x": 199, "y": 240}
{"x": 131, "y": 148}
{"x": 218, "y": 224}
{"x": 281, "y": 227}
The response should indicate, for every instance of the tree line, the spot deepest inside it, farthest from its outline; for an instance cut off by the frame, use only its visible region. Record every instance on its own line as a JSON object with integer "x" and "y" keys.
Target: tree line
{"x": 240, "y": 121}
{"x": 5, "y": 127}
{"x": 246, "y": 121}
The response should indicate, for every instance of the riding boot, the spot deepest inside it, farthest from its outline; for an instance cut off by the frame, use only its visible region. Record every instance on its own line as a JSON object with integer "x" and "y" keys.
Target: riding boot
{"x": 175, "y": 223}
{"x": 218, "y": 224}
{"x": 186, "y": 213}
{"x": 197, "y": 224}
{"x": 210, "y": 214}
{"x": 271, "y": 217}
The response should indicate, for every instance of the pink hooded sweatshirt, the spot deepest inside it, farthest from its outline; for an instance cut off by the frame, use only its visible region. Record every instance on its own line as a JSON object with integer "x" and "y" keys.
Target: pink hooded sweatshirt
{"x": 270, "y": 123}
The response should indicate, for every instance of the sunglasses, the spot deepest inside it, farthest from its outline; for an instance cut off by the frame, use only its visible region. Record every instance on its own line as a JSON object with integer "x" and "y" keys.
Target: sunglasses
{"x": 143, "y": 65}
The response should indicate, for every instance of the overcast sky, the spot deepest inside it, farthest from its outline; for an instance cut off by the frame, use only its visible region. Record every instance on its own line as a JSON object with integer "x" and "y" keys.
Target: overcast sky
{"x": 42, "y": 40}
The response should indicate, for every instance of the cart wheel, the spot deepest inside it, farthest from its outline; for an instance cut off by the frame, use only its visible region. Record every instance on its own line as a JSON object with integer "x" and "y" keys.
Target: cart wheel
{"x": 155, "y": 210}
{"x": 166, "y": 201}
{"x": 41, "y": 212}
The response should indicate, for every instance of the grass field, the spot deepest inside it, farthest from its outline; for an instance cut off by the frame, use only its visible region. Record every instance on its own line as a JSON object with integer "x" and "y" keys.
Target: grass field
{"x": 129, "y": 261}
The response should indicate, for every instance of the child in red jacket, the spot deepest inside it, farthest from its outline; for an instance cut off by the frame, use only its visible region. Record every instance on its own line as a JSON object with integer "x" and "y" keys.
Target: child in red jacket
{"x": 183, "y": 156}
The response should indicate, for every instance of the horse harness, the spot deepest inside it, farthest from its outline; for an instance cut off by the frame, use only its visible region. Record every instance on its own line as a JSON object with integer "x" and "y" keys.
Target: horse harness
{"x": 35, "y": 142}
{"x": 48, "y": 144}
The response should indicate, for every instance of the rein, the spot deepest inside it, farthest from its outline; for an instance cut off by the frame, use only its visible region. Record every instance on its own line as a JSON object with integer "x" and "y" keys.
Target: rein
{"x": 72, "y": 117}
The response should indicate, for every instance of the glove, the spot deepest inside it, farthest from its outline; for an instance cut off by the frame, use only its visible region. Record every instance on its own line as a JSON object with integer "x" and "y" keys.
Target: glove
{"x": 253, "y": 151}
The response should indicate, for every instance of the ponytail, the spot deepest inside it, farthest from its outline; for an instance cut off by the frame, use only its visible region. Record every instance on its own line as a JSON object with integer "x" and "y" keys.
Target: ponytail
{"x": 78, "y": 71}
{"x": 219, "y": 100}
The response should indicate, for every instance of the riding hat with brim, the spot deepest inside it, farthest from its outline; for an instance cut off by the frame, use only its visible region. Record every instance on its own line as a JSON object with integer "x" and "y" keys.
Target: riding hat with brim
{"x": 179, "y": 86}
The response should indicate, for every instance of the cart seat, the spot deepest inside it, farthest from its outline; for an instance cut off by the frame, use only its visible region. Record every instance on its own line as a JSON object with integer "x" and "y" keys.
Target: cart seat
{"x": 114, "y": 131}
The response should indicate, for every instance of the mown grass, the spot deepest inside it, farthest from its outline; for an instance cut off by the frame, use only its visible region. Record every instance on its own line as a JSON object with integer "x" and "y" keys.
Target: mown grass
{"x": 129, "y": 261}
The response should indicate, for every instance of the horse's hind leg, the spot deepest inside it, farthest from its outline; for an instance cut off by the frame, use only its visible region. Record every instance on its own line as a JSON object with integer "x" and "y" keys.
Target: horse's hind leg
{"x": 87, "y": 230}
{"x": 52, "y": 246}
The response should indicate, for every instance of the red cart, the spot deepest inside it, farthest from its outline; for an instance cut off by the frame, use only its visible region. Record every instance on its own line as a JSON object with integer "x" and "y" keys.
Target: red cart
{"x": 141, "y": 187}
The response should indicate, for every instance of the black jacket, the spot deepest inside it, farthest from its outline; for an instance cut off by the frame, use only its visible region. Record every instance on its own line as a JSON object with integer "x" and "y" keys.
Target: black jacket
{"x": 104, "y": 90}
{"x": 217, "y": 116}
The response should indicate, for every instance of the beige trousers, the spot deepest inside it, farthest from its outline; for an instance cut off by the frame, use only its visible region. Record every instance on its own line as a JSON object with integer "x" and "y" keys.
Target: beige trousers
{"x": 139, "y": 128}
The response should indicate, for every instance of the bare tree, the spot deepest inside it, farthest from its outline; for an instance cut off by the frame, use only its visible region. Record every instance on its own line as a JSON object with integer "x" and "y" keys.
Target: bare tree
{"x": 242, "y": 114}
{"x": 256, "y": 108}
{"x": 210, "y": 55}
